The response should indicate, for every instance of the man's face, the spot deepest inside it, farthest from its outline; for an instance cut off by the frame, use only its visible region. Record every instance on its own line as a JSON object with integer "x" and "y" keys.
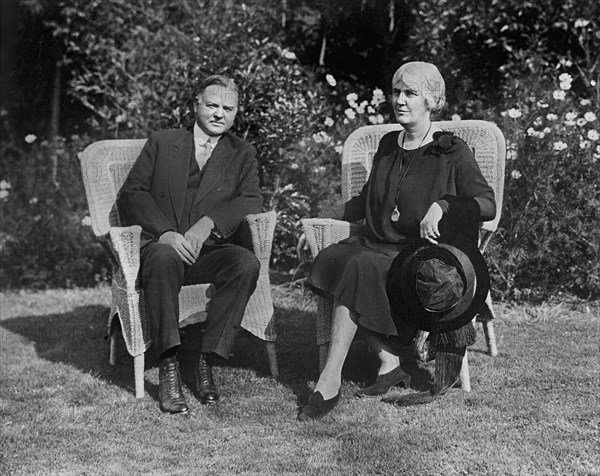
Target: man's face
{"x": 215, "y": 110}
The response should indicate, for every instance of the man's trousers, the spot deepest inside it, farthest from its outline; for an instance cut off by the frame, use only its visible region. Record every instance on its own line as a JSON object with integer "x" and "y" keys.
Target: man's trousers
{"x": 232, "y": 269}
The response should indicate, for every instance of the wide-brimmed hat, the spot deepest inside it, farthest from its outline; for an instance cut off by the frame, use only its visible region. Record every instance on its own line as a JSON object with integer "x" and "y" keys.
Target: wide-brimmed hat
{"x": 438, "y": 288}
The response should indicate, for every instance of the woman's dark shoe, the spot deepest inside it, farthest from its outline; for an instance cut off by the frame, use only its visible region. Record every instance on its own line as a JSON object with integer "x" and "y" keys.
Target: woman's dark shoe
{"x": 316, "y": 407}
{"x": 170, "y": 394}
{"x": 206, "y": 390}
{"x": 385, "y": 382}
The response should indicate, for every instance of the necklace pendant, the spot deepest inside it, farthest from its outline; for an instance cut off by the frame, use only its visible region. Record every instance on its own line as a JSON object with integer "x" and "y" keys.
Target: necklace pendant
{"x": 395, "y": 214}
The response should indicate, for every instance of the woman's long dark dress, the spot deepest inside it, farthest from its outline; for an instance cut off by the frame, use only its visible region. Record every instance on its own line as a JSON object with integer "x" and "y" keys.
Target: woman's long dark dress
{"x": 355, "y": 270}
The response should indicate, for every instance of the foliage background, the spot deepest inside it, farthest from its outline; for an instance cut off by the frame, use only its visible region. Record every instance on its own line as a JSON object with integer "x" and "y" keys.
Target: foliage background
{"x": 76, "y": 71}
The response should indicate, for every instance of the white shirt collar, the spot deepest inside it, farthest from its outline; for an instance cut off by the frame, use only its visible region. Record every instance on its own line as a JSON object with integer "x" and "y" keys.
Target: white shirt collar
{"x": 201, "y": 137}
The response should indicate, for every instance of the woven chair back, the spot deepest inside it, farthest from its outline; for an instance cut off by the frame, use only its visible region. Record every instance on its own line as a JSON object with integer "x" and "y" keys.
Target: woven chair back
{"x": 104, "y": 167}
{"x": 484, "y": 138}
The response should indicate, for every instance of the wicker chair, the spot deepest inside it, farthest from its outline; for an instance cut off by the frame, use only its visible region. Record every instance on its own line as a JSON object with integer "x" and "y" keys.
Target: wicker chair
{"x": 488, "y": 145}
{"x": 105, "y": 166}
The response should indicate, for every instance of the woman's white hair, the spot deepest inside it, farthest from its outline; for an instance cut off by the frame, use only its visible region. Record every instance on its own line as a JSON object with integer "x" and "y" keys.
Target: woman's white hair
{"x": 431, "y": 84}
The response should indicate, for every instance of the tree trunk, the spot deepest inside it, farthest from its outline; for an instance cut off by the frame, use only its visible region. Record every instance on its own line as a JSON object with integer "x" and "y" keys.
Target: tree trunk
{"x": 283, "y": 13}
{"x": 54, "y": 126}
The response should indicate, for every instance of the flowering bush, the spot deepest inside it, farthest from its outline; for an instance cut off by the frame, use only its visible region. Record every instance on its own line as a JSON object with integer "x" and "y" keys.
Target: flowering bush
{"x": 310, "y": 168}
{"x": 549, "y": 234}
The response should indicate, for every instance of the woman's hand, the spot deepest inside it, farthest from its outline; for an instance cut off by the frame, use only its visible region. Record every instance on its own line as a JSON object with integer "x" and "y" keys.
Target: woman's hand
{"x": 302, "y": 249}
{"x": 429, "y": 224}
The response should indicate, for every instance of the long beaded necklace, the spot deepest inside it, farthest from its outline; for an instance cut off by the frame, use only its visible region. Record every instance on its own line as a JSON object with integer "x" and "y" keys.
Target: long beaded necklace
{"x": 396, "y": 213}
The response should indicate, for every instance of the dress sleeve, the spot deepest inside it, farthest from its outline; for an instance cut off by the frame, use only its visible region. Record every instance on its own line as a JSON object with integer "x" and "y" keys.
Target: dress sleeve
{"x": 472, "y": 184}
{"x": 353, "y": 210}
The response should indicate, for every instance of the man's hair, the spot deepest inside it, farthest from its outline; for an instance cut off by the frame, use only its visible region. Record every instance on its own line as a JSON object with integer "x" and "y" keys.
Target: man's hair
{"x": 219, "y": 80}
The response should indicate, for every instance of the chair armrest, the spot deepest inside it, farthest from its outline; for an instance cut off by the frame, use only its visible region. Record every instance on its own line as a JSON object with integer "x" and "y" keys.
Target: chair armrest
{"x": 256, "y": 233}
{"x": 322, "y": 232}
{"x": 124, "y": 243}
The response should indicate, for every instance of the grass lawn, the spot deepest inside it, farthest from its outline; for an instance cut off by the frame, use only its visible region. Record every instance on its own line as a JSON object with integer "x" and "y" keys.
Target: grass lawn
{"x": 534, "y": 409}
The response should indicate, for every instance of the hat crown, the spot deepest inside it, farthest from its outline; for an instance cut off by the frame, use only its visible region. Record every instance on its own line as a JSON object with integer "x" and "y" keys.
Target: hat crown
{"x": 438, "y": 285}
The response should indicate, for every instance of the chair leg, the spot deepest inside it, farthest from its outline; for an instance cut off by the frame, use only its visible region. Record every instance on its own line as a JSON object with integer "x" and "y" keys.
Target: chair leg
{"x": 490, "y": 337}
{"x": 112, "y": 356}
{"x": 138, "y": 372}
{"x": 465, "y": 378}
{"x": 323, "y": 351}
{"x": 272, "y": 360}
{"x": 486, "y": 317}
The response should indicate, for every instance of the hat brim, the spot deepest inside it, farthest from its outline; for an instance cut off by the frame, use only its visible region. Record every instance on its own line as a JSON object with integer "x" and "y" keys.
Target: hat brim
{"x": 468, "y": 307}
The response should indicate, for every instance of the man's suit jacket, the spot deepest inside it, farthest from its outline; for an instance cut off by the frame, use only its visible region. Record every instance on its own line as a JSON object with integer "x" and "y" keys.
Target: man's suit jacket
{"x": 153, "y": 195}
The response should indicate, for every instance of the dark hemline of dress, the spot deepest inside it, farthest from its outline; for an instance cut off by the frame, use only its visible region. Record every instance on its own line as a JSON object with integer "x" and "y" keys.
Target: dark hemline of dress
{"x": 355, "y": 272}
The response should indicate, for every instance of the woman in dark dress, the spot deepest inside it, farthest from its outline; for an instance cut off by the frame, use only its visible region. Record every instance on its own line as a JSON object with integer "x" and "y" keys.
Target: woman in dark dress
{"x": 402, "y": 203}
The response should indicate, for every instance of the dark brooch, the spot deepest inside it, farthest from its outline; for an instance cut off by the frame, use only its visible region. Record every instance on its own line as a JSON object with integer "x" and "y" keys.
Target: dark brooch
{"x": 443, "y": 143}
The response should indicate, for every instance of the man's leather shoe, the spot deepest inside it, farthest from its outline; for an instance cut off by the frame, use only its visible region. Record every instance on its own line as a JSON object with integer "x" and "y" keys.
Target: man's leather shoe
{"x": 316, "y": 407}
{"x": 206, "y": 390}
{"x": 385, "y": 382}
{"x": 170, "y": 394}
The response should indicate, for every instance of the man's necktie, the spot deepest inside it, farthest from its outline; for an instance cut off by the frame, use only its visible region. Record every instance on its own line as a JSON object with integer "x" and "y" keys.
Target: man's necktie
{"x": 203, "y": 152}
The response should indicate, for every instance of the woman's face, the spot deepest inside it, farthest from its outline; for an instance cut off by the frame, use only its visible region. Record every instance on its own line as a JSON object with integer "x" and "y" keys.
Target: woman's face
{"x": 408, "y": 100}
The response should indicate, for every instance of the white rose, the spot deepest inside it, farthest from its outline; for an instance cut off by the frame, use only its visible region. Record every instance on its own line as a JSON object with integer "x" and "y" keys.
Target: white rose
{"x": 350, "y": 114}
{"x": 569, "y": 116}
{"x": 565, "y": 78}
{"x": 514, "y": 113}
{"x": 559, "y": 145}
{"x": 559, "y": 95}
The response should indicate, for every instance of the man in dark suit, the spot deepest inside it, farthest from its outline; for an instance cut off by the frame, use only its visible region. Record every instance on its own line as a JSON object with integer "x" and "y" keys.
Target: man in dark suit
{"x": 189, "y": 191}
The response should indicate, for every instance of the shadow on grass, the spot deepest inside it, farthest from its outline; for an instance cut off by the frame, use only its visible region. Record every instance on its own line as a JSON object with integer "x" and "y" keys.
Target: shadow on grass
{"x": 77, "y": 338}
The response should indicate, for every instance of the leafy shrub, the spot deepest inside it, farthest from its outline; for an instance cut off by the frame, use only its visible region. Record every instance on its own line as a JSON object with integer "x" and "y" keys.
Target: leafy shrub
{"x": 135, "y": 68}
{"x": 46, "y": 240}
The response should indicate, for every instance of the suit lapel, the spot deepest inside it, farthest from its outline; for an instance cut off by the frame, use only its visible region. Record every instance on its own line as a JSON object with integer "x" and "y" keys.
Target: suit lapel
{"x": 221, "y": 159}
{"x": 179, "y": 163}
